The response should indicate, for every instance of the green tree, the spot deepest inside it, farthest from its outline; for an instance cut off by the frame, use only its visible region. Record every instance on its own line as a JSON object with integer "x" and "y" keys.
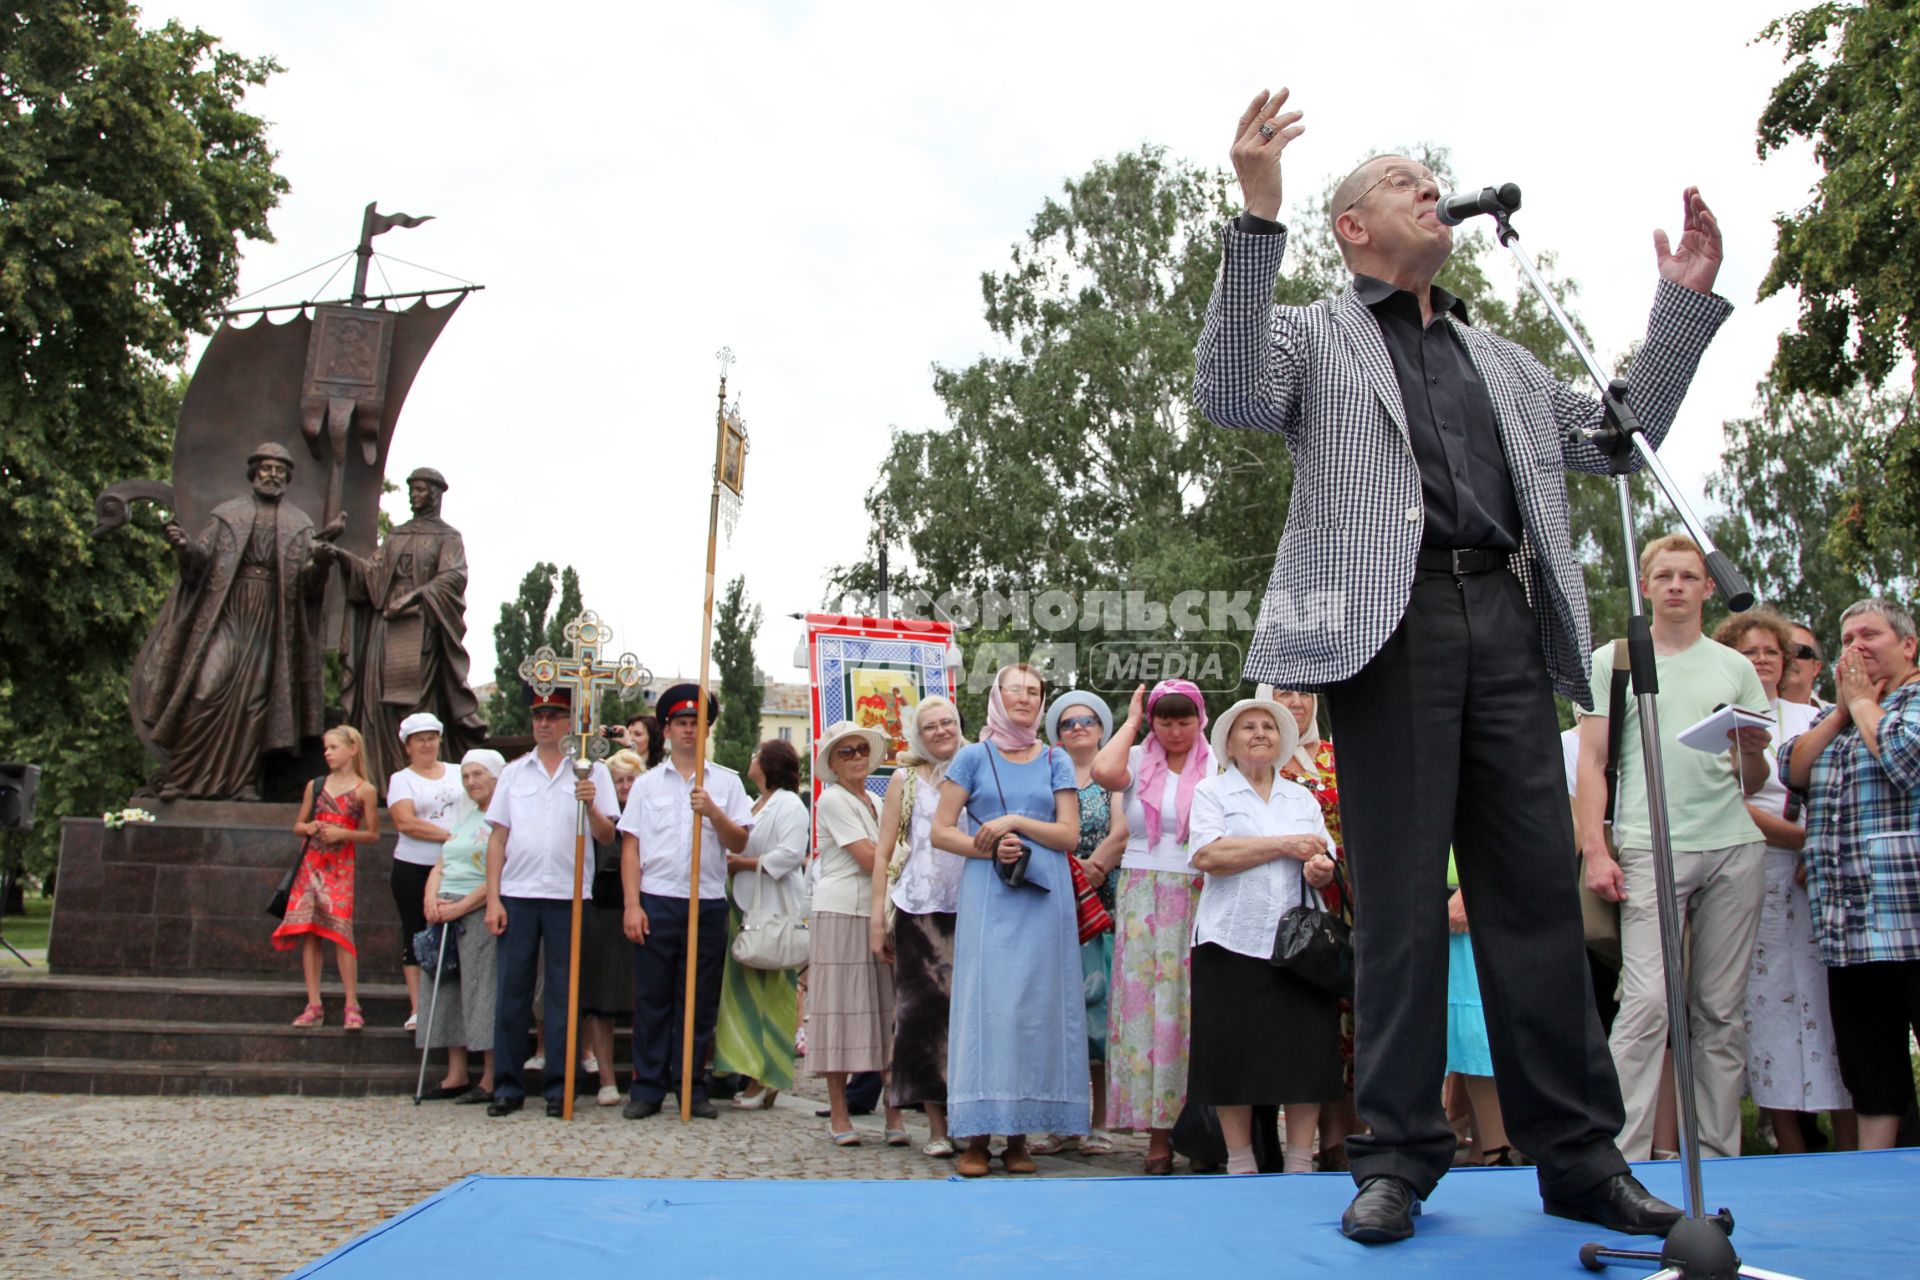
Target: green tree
{"x": 129, "y": 175}
{"x": 1789, "y": 476}
{"x": 1853, "y": 253}
{"x": 531, "y": 619}
{"x": 735, "y": 625}
{"x": 1072, "y": 460}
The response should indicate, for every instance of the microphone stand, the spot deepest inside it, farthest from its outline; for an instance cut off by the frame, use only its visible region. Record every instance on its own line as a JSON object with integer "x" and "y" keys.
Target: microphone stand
{"x": 1699, "y": 1247}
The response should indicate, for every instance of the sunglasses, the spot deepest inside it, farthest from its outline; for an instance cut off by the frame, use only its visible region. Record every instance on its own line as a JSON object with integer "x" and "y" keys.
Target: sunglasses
{"x": 1806, "y": 653}
{"x": 852, "y": 751}
{"x": 1070, "y": 723}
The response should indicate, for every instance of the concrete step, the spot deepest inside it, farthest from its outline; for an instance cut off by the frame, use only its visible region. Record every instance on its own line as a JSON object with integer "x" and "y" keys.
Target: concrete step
{"x": 226, "y": 1000}
{"x": 108, "y": 1076}
{"x": 261, "y": 1044}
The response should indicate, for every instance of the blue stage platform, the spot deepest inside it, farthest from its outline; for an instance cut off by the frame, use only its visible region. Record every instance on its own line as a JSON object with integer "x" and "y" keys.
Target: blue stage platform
{"x": 1811, "y": 1216}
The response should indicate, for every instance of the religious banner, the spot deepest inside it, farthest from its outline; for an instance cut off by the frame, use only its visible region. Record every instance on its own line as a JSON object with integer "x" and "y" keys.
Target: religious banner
{"x": 872, "y": 671}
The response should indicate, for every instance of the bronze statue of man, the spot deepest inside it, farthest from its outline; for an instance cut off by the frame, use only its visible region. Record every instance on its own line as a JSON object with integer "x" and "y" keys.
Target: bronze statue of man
{"x": 410, "y": 621}
{"x": 234, "y": 671}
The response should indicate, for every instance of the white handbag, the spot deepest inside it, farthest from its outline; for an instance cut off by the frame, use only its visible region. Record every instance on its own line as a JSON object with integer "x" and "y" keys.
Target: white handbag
{"x": 768, "y": 939}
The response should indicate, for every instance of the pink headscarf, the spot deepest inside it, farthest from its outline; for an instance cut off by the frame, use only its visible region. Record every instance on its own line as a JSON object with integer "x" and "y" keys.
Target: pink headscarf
{"x": 1001, "y": 731}
{"x": 1153, "y": 765}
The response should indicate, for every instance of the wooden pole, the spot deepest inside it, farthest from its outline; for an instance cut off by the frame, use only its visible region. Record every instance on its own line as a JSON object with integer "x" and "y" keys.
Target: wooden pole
{"x": 582, "y": 769}
{"x": 700, "y": 765}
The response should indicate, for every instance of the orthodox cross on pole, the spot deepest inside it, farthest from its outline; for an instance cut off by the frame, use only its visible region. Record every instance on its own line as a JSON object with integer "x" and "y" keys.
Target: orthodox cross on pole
{"x": 586, "y": 676}
{"x": 729, "y": 476}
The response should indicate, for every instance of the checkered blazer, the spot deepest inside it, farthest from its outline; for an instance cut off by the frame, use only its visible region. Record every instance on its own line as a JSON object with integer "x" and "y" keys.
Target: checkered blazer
{"x": 1320, "y": 376}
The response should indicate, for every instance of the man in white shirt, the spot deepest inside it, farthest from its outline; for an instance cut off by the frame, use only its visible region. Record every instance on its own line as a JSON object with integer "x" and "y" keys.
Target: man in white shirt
{"x": 656, "y": 866}
{"x": 530, "y": 857}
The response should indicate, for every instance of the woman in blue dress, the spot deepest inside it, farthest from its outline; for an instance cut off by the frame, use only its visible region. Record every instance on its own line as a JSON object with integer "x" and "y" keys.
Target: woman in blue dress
{"x": 1017, "y": 1045}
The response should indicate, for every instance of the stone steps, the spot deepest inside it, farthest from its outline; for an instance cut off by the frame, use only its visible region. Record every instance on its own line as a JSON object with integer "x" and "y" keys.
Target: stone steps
{"x": 82, "y": 1034}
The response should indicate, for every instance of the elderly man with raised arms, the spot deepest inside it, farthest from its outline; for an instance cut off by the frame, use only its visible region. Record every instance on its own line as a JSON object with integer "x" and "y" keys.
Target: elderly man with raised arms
{"x": 1426, "y": 584}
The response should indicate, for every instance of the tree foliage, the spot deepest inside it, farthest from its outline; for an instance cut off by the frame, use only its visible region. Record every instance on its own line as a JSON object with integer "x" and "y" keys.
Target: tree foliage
{"x": 531, "y": 619}
{"x": 1789, "y": 476}
{"x": 129, "y": 175}
{"x": 735, "y": 625}
{"x": 1853, "y": 253}
{"x": 1072, "y": 460}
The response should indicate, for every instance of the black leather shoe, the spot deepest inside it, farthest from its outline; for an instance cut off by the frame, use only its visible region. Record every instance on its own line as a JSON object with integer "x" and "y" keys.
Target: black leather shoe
{"x": 473, "y": 1097}
{"x": 505, "y": 1106}
{"x": 636, "y": 1109}
{"x": 1618, "y": 1204}
{"x": 704, "y": 1108}
{"x": 1382, "y": 1212}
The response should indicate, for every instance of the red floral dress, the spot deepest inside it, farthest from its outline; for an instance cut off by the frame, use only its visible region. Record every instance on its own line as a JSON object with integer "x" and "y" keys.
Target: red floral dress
{"x": 321, "y": 901}
{"x": 1339, "y": 894}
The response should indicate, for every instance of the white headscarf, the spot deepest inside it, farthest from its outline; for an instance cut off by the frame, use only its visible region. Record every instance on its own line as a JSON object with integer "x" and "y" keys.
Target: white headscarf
{"x": 917, "y": 753}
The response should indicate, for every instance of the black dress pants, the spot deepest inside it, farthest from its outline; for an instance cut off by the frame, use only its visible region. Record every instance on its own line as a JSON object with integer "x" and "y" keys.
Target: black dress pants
{"x": 660, "y": 996}
{"x": 1448, "y": 738}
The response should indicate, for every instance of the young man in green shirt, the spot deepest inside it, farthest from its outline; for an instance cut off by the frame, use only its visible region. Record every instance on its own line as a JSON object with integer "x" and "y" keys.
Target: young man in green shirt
{"x": 1718, "y": 853}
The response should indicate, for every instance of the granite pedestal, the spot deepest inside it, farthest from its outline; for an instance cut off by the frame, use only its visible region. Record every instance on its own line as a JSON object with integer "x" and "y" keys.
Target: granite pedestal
{"x": 186, "y": 895}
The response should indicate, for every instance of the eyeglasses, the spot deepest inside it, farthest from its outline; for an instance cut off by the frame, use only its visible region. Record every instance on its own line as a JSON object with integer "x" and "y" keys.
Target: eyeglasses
{"x": 1070, "y": 723}
{"x": 1400, "y": 180}
{"x": 1760, "y": 652}
{"x": 852, "y": 750}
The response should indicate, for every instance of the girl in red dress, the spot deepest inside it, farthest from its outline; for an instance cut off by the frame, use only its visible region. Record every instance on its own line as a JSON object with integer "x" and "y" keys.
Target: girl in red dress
{"x": 338, "y": 812}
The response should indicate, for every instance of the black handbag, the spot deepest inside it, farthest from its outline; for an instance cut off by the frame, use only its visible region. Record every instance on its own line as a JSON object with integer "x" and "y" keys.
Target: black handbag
{"x": 277, "y": 904}
{"x": 1314, "y": 944}
{"x": 1014, "y": 874}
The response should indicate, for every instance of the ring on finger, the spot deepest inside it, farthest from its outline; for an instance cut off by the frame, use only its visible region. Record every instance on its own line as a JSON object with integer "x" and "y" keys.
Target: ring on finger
{"x": 1267, "y": 130}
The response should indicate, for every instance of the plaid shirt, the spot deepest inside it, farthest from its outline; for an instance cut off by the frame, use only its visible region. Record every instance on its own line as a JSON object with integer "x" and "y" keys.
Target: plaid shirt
{"x": 1863, "y": 838}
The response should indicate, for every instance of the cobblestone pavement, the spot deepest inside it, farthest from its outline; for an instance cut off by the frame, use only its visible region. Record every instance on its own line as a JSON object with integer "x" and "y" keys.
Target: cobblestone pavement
{"x": 193, "y": 1186}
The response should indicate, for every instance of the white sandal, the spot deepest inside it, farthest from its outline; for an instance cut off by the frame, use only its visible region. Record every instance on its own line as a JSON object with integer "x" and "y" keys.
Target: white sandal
{"x": 1097, "y": 1143}
{"x": 1054, "y": 1144}
{"x": 939, "y": 1149}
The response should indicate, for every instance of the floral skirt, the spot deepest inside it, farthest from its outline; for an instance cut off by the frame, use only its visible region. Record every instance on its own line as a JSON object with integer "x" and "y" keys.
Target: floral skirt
{"x": 1148, "y": 1003}
{"x": 321, "y": 900}
{"x": 1792, "y": 1064}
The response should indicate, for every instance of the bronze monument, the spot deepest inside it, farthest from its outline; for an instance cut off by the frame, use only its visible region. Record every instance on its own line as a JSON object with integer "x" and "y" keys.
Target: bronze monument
{"x": 330, "y": 382}
{"x": 236, "y": 670}
{"x": 408, "y": 622}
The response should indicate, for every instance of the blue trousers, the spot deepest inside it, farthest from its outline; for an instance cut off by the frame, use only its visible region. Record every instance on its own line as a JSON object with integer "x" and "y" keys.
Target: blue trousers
{"x": 659, "y": 995}
{"x": 531, "y": 921}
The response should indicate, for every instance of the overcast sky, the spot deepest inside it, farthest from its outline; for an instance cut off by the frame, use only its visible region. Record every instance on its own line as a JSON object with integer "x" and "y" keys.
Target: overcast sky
{"x": 820, "y": 186}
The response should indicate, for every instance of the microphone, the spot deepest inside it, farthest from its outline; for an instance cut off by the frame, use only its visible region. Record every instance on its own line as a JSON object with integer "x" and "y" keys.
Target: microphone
{"x": 1461, "y": 205}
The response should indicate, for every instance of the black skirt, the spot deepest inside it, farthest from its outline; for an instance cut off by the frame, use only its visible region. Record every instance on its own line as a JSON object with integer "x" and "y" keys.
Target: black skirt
{"x": 922, "y": 994}
{"x": 1260, "y": 1036}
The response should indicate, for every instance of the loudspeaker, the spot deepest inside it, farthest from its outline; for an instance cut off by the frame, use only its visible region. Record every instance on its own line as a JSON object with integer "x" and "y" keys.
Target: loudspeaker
{"x": 18, "y": 782}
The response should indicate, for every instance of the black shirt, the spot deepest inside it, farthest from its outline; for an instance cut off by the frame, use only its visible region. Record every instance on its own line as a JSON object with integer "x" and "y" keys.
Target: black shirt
{"x": 1464, "y": 481}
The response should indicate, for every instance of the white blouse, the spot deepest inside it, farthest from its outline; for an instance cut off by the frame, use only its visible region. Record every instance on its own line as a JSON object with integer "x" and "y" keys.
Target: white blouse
{"x": 778, "y": 838}
{"x": 1168, "y": 853}
{"x": 1241, "y": 910}
{"x": 930, "y": 880}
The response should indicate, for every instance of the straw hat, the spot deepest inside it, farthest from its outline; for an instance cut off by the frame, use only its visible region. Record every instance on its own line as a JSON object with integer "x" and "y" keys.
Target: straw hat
{"x": 1282, "y": 718}
{"x": 837, "y": 733}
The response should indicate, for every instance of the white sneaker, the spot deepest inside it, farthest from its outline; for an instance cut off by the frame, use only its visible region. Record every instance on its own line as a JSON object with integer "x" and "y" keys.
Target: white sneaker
{"x": 538, "y": 1062}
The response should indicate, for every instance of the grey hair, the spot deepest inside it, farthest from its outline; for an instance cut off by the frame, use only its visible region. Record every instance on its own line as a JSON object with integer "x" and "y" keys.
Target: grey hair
{"x": 1898, "y": 618}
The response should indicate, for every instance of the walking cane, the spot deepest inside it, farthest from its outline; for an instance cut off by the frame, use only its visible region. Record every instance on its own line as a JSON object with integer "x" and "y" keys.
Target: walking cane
{"x": 433, "y": 1002}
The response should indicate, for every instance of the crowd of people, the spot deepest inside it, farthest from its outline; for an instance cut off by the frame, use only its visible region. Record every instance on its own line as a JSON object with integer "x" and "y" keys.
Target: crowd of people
{"x": 949, "y": 947}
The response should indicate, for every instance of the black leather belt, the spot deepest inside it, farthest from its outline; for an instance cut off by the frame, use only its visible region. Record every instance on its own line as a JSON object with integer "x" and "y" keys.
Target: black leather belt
{"x": 1460, "y": 561}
